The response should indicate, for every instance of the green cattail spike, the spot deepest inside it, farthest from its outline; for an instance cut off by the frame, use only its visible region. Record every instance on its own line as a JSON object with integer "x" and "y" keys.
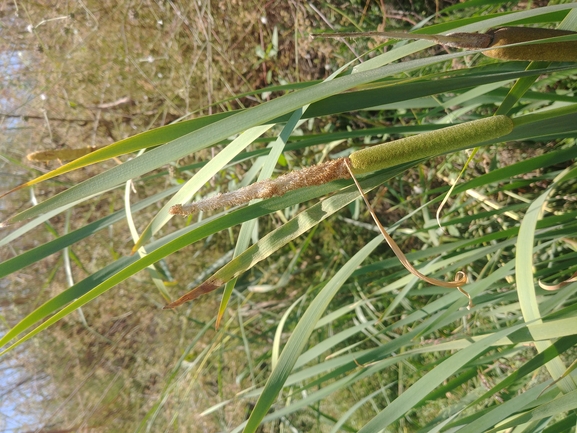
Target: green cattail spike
{"x": 429, "y": 144}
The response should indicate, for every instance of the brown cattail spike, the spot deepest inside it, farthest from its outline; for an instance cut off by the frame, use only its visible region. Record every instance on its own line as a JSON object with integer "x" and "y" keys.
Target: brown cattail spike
{"x": 309, "y": 176}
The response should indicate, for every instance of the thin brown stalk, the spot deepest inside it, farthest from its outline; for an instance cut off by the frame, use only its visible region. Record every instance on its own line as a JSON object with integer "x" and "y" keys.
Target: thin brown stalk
{"x": 460, "y": 277}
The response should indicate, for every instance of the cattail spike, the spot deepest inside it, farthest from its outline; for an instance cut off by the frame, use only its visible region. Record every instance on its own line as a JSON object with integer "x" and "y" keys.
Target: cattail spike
{"x": 309, "y": 176}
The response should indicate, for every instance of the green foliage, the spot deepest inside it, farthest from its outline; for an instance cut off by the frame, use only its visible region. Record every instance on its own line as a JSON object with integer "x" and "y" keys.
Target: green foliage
{"x": 359, "y": 345}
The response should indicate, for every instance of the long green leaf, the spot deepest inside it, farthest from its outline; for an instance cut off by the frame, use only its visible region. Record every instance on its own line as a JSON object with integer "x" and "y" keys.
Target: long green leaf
{"x": 300, "y": 335}
{"x": 405, "y": 402}
{"x": 525, "y": 280}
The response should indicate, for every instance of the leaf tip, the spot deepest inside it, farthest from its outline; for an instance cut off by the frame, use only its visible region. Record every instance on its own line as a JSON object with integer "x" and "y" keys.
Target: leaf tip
{"x": 4, "y": 194}
{"x": 206, "y": 287}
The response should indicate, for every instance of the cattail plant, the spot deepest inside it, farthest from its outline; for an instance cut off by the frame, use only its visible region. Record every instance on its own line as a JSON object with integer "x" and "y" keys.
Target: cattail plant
{"x": 349, "y": 322}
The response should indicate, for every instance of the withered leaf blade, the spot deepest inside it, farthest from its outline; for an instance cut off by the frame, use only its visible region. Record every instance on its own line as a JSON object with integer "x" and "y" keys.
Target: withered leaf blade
{"x": 208, "y": 286}
{"x": 553, "y": 287}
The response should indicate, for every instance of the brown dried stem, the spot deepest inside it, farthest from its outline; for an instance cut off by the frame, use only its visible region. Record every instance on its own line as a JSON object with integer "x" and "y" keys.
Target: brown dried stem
{"x": 460, "y": 277}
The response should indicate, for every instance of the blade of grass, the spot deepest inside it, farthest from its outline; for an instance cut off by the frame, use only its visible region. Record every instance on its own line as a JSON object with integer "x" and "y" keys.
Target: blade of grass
{"x": 247, "y": 228}
{"x": 525, "y": 280}
{"x": 193, "y": 185}
{"x": 299, "y": 337}
{"x": 405, "y": 402}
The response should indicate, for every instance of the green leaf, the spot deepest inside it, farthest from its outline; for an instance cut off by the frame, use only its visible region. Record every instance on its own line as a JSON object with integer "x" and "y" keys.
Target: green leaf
{"x": 299, "y": 337}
